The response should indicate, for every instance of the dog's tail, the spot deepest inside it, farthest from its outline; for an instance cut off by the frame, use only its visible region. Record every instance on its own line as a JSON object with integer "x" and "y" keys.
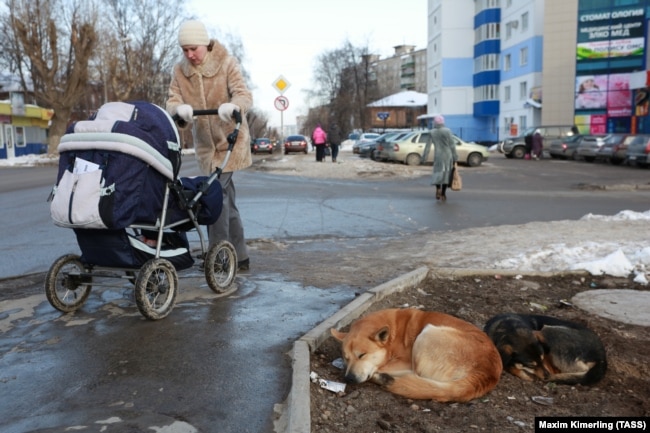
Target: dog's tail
{"x": 410, "y": 385}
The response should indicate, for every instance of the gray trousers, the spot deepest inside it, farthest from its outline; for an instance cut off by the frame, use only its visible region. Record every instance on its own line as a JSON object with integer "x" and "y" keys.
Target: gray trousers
{"x": 229, "y": 225}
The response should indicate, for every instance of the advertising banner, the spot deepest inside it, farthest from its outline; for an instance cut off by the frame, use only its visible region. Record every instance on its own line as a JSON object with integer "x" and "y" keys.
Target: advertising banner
{"x": 611, "y": 34}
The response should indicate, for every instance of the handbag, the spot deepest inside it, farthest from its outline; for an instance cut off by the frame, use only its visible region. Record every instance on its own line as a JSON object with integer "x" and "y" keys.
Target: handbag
{"x": 456, "y": 180}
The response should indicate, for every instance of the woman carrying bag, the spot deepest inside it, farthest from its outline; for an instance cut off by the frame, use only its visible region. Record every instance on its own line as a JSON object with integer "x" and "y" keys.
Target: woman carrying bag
{"x": 444, "y": 156}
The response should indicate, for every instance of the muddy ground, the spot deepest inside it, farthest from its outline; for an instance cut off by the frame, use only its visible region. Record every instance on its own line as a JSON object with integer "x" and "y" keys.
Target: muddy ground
{"x": 513, "y": 405}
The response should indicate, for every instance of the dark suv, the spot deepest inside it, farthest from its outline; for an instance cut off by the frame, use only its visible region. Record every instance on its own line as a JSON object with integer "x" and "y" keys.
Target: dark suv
{"x": 515, "y": 147}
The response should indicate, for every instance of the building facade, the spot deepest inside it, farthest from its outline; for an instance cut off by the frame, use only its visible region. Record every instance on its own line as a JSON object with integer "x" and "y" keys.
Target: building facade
{"x": 406, "y": 69}
{"x": 587, "y": 58}
{"x": 462, "y": 71}
{"x": 611, "y": 50}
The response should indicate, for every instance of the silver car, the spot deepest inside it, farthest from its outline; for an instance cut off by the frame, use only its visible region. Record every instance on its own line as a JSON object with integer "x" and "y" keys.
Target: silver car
{"x": 410, "y": 149}
{"x": 589, "y": 145}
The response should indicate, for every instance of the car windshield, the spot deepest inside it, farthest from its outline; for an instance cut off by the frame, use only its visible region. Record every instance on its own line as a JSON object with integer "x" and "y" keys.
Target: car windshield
{"x": 573, "y": 138}
{"x": 612, "y": 139}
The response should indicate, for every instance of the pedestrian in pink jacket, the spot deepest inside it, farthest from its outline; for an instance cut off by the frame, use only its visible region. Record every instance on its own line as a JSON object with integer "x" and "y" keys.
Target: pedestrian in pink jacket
{"x": 319, "y": 139}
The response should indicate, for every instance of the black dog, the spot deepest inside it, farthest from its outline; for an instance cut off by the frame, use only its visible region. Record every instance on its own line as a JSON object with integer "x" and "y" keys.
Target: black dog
{"x": 550, "y": 349}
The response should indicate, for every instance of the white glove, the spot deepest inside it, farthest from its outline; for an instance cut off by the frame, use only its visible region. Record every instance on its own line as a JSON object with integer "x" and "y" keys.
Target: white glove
{"x": 226, "y": 110}
{"x": 185, "y": 112}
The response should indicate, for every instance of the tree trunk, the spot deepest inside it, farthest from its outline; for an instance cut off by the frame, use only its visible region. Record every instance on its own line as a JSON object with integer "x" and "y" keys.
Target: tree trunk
{"x": 57, "y": 128}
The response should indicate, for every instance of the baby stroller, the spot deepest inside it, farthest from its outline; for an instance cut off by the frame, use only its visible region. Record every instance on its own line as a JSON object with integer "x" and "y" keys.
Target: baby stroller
{"x": 118, "y": 189}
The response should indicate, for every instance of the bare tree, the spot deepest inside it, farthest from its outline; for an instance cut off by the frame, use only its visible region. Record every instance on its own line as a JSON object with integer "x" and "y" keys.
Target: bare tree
{"x": 139, "y": 49}
{"x": 50, "y": 44}
{"x": 344, "y": 87}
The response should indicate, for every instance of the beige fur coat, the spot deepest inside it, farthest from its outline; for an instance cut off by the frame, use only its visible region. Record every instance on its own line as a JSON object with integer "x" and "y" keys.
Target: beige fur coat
{"x": 216, "y": 81}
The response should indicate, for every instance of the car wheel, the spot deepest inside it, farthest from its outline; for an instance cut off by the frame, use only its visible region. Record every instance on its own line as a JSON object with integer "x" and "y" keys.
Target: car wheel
{"x": 589, "y": 159}
{"x": 474, "y": 159}
{"x": 518, "y": 152}
{"x": 413, "y": 159}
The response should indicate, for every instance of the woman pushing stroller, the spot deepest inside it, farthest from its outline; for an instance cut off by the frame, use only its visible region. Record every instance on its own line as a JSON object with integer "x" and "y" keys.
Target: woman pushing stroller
{"x": 208, "y": 77}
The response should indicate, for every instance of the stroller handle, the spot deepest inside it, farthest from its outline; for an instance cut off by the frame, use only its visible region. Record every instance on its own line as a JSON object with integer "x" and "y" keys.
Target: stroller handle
{"x": 231, "y": 138}
{"x": 235, "y": 114}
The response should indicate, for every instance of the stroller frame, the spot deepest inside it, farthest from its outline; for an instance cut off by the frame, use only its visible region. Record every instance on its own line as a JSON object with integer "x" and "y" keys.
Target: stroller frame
{"x": 69, "y": 280}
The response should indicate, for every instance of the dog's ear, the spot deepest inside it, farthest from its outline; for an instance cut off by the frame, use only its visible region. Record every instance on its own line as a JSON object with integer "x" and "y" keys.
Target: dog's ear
{"x": 541, "y": 339}
{"x": 382, "y": 335}
{"x": 338, "y": 334}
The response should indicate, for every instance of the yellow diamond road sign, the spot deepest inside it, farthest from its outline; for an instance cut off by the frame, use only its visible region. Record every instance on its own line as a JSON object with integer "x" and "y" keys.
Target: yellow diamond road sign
{"x": 281, "y": 84}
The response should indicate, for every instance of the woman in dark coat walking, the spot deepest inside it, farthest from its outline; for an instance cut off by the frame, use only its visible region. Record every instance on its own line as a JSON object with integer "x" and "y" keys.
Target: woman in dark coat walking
{"x": 334, "y": 138}
{"x": 538, "y": 145}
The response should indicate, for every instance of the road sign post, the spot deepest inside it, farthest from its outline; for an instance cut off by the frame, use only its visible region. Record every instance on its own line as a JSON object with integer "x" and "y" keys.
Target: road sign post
{"x": 281, "y": 103}
{"x": 383, "y": 115}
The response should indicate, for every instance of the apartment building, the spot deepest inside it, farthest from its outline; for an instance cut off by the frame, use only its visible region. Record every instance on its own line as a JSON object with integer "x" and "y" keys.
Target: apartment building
{"x": 587, "y": 58}
{"x": 405, "y": 70}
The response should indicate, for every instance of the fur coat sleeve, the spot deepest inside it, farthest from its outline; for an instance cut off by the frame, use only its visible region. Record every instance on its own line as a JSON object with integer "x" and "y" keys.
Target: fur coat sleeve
{"x": 216, "y": 81}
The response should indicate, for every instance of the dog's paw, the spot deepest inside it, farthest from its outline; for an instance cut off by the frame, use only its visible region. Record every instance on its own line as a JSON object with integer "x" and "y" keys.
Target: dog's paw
{"x": 383, "y": 379}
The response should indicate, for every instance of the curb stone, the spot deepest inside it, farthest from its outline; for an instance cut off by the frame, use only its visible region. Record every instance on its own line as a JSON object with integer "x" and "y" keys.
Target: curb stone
{"x": 294, "y": 414}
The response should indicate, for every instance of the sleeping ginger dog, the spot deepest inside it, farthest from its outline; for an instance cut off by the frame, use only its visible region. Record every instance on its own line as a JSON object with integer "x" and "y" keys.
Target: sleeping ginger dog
{"x": 420, "y": 355}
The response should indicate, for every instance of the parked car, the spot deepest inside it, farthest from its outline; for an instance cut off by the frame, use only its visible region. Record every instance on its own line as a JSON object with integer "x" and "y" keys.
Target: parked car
{"x": 590, "y": 145}
{"x": 605, "y": 153}
{"x": 370, "y": 149}
{"x": 516, "y": 147}
{"x": 262, "y": 145}
{"x": 363, "y": 138}
{"x": 638, "y": 151}
{"x": 565, "y": 148}
{"x": 349, "y": 142}
{"x": 619, "y": 154}
{"x": 296, "y": 143}
{"x": 410, "y": 149}
{"x": 384, "y": 151}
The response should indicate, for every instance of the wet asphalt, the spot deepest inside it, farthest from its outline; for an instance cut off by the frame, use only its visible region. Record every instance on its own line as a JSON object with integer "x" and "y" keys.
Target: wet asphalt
{"x": 218, "y": 363}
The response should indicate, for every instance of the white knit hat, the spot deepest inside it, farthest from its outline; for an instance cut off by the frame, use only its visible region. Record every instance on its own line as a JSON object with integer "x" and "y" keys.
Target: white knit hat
{"x": 193, "y": 33}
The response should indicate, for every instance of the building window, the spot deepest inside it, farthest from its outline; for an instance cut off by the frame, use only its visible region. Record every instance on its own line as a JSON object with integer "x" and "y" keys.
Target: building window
{"x": 524, "y": 22}
{"x": 523, "y": 124}
{"x": 506, "y": 94}
{"x": 523, "y": 56}
{"x": 507, "y": 62}
{"x": 523, "y": 91}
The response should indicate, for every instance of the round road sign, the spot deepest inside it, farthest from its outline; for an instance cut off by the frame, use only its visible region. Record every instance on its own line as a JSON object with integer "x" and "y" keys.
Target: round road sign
{"x": 281, "y": 103}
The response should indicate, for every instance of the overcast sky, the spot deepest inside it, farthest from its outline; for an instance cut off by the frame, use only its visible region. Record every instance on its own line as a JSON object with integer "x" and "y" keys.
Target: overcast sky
{"x": 284, "y": 37}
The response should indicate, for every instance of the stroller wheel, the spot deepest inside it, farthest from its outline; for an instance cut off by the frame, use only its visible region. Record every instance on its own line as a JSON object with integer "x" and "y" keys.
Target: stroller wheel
{"x": 155, "y": 289}
{"x": 221, "y": 266}
{"x": 67, "y": 284}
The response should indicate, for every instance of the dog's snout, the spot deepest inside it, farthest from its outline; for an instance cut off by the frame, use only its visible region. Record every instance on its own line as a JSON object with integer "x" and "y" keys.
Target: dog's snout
{"x": 352, "y": 378}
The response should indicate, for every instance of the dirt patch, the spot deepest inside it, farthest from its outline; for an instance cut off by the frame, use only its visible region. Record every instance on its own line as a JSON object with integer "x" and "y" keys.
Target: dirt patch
{"x": 513, "y": 405}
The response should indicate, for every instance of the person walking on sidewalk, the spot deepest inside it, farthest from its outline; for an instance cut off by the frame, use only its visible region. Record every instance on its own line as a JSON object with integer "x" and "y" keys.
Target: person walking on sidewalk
{"x": 444, "y": 156}
{"x": 538, "y": 145}
{"x": 209, "y": 77}
{"x": 334, "y": 138}
{"x": 319, "y": 140}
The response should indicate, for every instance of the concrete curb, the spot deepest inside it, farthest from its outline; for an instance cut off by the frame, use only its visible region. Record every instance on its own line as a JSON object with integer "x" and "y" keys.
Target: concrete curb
{"x": 295, "y": 412}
